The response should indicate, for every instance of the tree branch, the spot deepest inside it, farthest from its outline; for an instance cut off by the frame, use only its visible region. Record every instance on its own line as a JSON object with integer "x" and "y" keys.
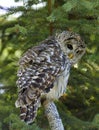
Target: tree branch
{"x": 52, "y": 114}
{"x": 49, "y": 11}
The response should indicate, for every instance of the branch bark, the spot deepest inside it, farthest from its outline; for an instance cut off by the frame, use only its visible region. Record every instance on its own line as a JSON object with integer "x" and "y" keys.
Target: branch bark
{"x": 52, "y": 114}
{"x": 49, "y": 12}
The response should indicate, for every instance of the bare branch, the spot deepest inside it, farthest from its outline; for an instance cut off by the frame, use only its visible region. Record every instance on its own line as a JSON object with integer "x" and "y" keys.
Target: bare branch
{"x": 52, "y": 114}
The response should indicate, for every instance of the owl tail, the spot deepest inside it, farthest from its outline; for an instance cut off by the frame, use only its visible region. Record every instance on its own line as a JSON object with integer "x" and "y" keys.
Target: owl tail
{"x": 29, "y": 112}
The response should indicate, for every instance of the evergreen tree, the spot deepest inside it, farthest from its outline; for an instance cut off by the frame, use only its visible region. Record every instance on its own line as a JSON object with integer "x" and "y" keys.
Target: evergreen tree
{"x": 79, "y": 107}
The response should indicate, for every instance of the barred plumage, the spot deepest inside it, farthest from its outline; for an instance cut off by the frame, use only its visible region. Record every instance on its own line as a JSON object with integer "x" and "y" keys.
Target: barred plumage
{"x": 44, "y": 71}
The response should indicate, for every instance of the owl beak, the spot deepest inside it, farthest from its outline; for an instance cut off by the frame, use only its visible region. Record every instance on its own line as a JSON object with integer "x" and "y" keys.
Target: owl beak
{"x": 70, "y": 55}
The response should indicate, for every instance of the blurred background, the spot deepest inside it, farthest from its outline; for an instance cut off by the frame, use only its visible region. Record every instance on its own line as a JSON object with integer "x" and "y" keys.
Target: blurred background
{"x": 25, "y": 23}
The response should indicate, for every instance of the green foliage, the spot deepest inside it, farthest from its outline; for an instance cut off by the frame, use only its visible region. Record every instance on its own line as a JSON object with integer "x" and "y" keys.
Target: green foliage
{"x": 68, "y": 6}
{"x": 73, "y": 123}
{"x": 79, "y": 107}
{"x": 15, "y": 124}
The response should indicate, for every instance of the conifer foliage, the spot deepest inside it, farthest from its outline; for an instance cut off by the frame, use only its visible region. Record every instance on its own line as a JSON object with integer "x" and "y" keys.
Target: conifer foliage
{"x": 79, "y": 107}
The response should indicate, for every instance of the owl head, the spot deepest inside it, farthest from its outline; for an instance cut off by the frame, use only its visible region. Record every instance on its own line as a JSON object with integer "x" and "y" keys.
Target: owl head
{"x": 72, "y": 45}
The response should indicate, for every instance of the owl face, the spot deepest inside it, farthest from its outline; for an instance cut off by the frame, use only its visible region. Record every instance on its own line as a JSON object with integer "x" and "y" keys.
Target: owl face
{"x": 72, "y": 45}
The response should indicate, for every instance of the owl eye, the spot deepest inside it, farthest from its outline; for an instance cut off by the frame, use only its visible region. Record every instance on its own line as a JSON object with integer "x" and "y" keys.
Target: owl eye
{"x": 79, "y": 52}
{"x": 70, "y": 46}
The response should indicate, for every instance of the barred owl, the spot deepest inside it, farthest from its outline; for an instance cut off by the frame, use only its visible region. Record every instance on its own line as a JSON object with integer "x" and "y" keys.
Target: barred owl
{"x": 44, "y": 71}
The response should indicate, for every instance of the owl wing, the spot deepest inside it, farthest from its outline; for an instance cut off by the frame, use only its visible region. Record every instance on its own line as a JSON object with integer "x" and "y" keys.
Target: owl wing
{"x": 39, "y": 68}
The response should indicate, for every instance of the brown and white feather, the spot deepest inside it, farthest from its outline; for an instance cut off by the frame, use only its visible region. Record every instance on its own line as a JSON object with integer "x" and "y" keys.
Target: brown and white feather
{"x": 44, "y": 71}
